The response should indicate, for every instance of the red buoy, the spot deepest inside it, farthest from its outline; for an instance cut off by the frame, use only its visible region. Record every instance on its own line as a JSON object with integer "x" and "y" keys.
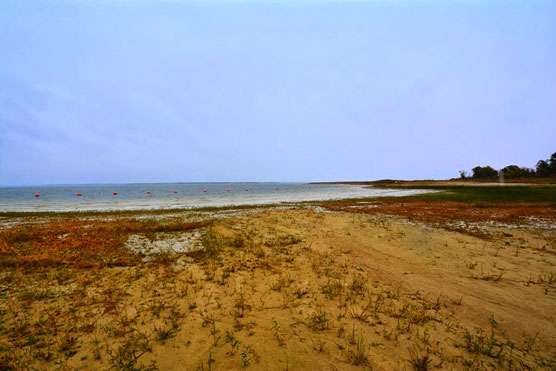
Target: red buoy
{"x": 37, "y": 195}
{"x": 276, "y": 188}
{"x": 114, "y": 193}
{"x": 246, "y": 190}
{"x": 204, "y": 191}
{"x": 79, "y": 194}
{"x": 287, "y": 188}
{"x": 302, "y": 187}
{"x": 148, "y": 192}
{"x": 227, "y": 190}
{"x": 175, "y": 191}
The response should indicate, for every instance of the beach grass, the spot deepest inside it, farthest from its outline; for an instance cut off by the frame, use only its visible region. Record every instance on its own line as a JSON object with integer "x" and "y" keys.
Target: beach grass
{"x": 464, "y": 194}
{"x": 496, "y": 194}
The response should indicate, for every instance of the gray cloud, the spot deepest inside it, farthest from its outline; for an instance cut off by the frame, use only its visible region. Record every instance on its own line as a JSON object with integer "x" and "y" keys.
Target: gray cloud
{"x": 137, "y": 91}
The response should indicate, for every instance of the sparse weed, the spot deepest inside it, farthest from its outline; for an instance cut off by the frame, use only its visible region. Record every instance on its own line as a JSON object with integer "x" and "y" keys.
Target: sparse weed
{"x": 359, "y": 354}
{"x": 420, "y": 360}
{"x": 332, "y": 288}
{"x": 318, "y": 321}
{"x": 281, "y": 283}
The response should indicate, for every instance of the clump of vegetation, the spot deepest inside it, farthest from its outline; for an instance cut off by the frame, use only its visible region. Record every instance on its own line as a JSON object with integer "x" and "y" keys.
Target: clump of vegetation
{"x": 78, "y": 244}
{"x": 494, "y": 194}
{"x": 420, "y": 360}
{"x": 544, "y": 168}
{"x": 490, "y": 344}
{"x": 359, "y": 354}
{"x": 318, "y": 320}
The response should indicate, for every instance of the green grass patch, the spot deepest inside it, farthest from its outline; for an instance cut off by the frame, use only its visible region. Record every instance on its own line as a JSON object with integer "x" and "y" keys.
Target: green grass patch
{"x": 497, "y": 194}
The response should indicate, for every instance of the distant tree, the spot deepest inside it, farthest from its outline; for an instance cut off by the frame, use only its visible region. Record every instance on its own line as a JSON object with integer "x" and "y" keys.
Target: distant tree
{"x": 552, "y": 158}
{"x": 484, "y": 172}
{"x": 510, "y": 171}
{"x": 542, "y": 169}
{"x": 552, "y": 164}
{"x": 514, "y": 171}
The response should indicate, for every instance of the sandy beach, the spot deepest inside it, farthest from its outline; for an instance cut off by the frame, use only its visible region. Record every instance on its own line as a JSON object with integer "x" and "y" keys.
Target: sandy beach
{"x": 277, "y": 185}
{"x": 333, "y": 285}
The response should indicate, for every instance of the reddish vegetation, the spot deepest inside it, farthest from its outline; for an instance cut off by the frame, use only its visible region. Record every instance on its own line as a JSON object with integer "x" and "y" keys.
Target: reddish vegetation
{"x": 450, "y": 211}
{"x": 77, "y": 244}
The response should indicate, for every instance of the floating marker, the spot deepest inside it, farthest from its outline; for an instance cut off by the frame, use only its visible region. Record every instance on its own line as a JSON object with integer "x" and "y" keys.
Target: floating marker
{"x": 302, "y": 187}
{"x": 227, "y": 190}
{"x": 276, "y": 188}
{"x": 287, "y": 188}
{"x": 175, "y": 191}
{"x": 204, "y": 191}
{"x": 148, "y": 192}
{"x": 115, "y": 193}
{"x": 37, "y": 195}
{"x": 79, "y": 194}
{"x": 246, "y": 190}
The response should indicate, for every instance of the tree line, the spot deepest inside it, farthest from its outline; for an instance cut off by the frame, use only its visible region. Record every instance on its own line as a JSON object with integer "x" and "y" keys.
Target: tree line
{"x": 543, "y": 169}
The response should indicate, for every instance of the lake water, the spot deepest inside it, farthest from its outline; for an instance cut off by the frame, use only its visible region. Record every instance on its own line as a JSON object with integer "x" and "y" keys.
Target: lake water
{"x": 188, "y": 195}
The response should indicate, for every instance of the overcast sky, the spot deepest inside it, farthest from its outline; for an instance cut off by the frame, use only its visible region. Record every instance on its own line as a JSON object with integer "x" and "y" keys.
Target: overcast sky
{"x": 95, "y": 91}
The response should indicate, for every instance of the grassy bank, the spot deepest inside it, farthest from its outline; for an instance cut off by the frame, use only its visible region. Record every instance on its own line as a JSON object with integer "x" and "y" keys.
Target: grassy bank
{"x": 497, "y": 194}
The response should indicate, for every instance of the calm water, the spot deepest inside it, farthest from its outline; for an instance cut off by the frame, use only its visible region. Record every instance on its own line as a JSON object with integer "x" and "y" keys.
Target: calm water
{"x": 189, "y": 195}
